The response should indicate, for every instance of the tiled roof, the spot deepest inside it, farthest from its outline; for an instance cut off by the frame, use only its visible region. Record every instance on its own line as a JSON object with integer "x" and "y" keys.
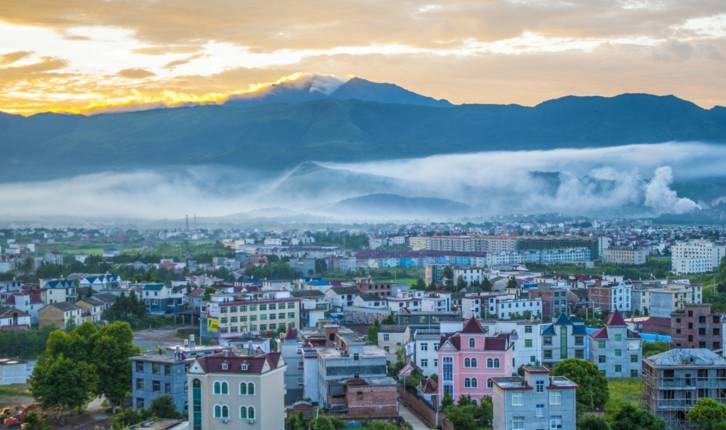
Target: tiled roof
{"x": 688, "y": 357}
{"x": 234, "y": 363}
{"x": 472, "y": 326}
{"x": 616, "y": 319}
{"x": 430, "y": 386}
{"x": 601, "y": 333}
{"x": 391, "y": 328}
{"x": 64, "y": 306}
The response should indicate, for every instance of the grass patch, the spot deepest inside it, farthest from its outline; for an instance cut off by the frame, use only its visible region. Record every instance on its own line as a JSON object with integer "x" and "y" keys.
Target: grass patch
{"x": 622, "y": 392}
{"x": 15, "y": 390}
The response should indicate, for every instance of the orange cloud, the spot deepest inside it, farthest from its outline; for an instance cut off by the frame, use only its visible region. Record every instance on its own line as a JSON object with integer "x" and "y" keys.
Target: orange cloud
{"x": 136, "y": 73}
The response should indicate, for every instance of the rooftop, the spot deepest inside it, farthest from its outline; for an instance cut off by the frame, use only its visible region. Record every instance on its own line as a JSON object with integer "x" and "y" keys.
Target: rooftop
{"x": 687, "y": 357}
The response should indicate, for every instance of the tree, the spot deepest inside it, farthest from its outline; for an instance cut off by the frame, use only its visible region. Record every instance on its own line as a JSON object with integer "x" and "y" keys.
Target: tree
{"x": 61, "y": 384}
{"x": 512, "y": 283}
{"x": 34, "y": 421}
{"x": 462, "y": 416}
{"x": 460, "y": 283}
{"x": 592, "y": 392}
{"x": 633, "y": 418}
{"x": 381, "y": 425}
{"x": 420, "y": 284}
{"x": 163, "y": 407}
{"x": 486, "y": 285}
{"x": 125, "y": 418}
{"x": 448, "y": 276}
{"x": 373, "y": 333}
{"x": 326, "y": 423}
{"x": 111, "y": 356}
{"x": 708, "y": 414}
{"x": 592, "y": 422}
{"x": 296, "y": 422}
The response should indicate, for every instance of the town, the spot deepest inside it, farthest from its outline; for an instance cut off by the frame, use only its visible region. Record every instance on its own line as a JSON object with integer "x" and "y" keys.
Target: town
{"x": 505, "y": 325}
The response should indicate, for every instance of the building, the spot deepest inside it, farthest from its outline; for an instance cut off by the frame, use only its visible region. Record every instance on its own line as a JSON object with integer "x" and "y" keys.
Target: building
{"x": 469, "y": 360}
{"x": 434, "y": 274}
{"x": 156, "y": 375}
{"x": 13, "y": 371}
{"x": 58, "y": 290}
{"x": 506, "y": 308}
{"x": 61, "y": 315}
{"x": 616, "y": 350}
{"x": 696, "y": 256}
{"x": 260, "y": 316}
{"x": 391, "y": 338}
{"x": 624, "y": 255}
{"x": 14, "y": 319}
{"x": 161, "y": 300}
{"x": 674, "y": 380}
{"x": 554, "y": 300}
{"x": 341, "y": 297}
{"x": 563, "y": 339}
{"x": 367, "y": 286}
{"x": 237, "y": 391}
{"x": 663, "y": 302}
{"x": 291, "y": 351}
{"x": 91, "y": 308}
{"x": 424, "y": 350}
{"x": 610, "y": 297}
{"x": 470, "y": 275}
{"x": 371, "y": 397}
{"x": 525, "y": 335}
{"x": 536, "y": 401}
{"x": 696, "y": 326}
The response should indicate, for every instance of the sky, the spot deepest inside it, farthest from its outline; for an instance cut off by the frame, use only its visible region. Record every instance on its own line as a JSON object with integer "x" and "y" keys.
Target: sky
{"x": 85, "y": 56}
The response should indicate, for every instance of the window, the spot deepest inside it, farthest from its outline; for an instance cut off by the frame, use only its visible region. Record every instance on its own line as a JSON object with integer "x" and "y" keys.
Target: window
{"x": 436, "y": 362}
{"x": 155, "y": 386}
{"x": 579, "y": 353}
{"x": 516, "y": 399}
{"x": 517, "y": 423}
{"x": 490, "y": 363}
{"x": 618, "y": 337}
{"x": 474, "y": 383}
{"x": 527, "y": 343}
{"x": 196, "y": 405}
{"x": 139, "y": 403}
{"x": 601, "y": 344}
{"x": 579, "y": 340}
{"x": 448, "y": 369}
{"x": 221, "y": 387}
{"x": 555, "y": 398}
{"x": 496, "y": 363}
{"x": 221, "y": 411}
{"x": 155, "y": 368}
{"x": 633, "y": 358}
{"x": 167, "y": 388}
{"x": 167, "y": 370}
{"x": 242, "y": 388}
{"x": 618, "y": 368}
{"x": 601, "y": 359}
{"x": 540, "y": 386}
{"x": 472, "y": 342}
{"x": 528, "y": 329}
{"x": 251, "y": 389}
{"x": 618, "y": 352}
{"x": 556, "y": 423}
{"x": 467, "y": 383}
{"x": 547, "y": 340}
{"x": 250, "y": 412}
{"x": 547, "y": 355}
{"x": 386, "y": 337}
{"x": 424, "y": 346}
{"x": 243, "y": 412}
{"x": 634, "y": 373}
{"x": 424, "y": 362}
{"x": 139, "y": 384}
{"x": 139, "y": 366}
{"x": 490, "y": 383}
{"x": 539, "y": 411}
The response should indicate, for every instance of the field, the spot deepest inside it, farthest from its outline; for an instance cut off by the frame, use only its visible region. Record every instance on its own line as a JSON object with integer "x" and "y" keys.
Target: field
{"x": 622, "y": 391}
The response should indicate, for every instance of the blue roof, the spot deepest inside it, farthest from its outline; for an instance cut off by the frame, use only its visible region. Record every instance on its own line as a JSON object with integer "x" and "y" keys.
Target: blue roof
{"x": 153, "y": 287}
{"x": 58, "y": 283}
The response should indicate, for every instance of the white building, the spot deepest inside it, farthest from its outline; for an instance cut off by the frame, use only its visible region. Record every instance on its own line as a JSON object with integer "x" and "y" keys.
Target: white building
{"x": 625, "y": 256}
{"x": 525, "y": 335}
{"x": 474, "y": 275}
{"x": 696, "y": 256}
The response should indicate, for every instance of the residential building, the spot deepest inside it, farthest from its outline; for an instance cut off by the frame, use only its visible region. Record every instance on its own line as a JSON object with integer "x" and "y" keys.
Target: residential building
{"x": 554, "y": 300}
{"x": 470, "y": 275}
{"x": 673, "y": 381}
{"x": 161, "y": 300}
{"x": 256, "y": 316}
{"x": 61, "y": 315}
{"x": 14, "y": 319}
{"x": 425, "y": 350}
{"x": 237, "y": 391}
{"x": 58, "y": 290}
{"x": 367, "y": 286}
{"x": 525, "y": 335}
{"x": 615, "y": 349}
{"x": 624, "y": 255}
{"x": 696, "y": 326}
{"x": 291, "y": 350}
{"x": 371, "y": 397}
{"x": 434, "y": 274}
{"x": 391, "y": 338}
{"x": 156, "y": 375}
{"x": 563, "y": 339}
{"x": 506, "y": 308}
{"x": 469, "y": 360}
{"x": 610, "y": 297}
{"x": 537, "y": 401}
{"x": 673, "y": 298}
{"x": 341, "y": 297}
{"x": 92, "y": 308}
{"x": 696, "y": 256}
{"x": 100, "y": 282}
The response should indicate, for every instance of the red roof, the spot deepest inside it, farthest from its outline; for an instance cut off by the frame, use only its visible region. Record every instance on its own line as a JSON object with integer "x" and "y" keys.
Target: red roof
{"x": 616, "y": 319}
{"x": 601, "y": 333}
{"x": 473, "y": 327}
{"x": 197, "y": 293}
{"x": 430, "y": 386}
{"x": 657, "y": 325}
{"x": 255, "y": 364}
{"x": 291, "y": 334}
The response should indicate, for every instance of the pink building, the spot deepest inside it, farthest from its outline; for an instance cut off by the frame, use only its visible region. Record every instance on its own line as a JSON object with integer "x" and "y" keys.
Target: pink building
{"x": 469, "y": 359}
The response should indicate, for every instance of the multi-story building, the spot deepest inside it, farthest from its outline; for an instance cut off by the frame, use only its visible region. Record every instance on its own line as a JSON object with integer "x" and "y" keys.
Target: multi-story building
{"x": 367, "y": 286}
{"x": 509, "y": 308}
{"x": 696, "y": 256}
{"x": 391, "y": 338}
{"x": 58, "y": 290}
{"x": 470, "y": 275}
{"x": 156, "y": 375}
{"x": 237, "y": 391}
{"x": 615, "y": 349}
{"x": 469, "y": 360}
{"x": 554, "y": 300}
{"x": 610, "y": 297}
{"x": 61, "y": 315}
{"x": 291, "y": 350}
{"x": 563, "y": 339}
{"x": 536, "y": 401}
{"x": 256, "y": 316}
{"x": 525, "y": 335}
{"x": 161, "y": 300}
{"x": 695, "y": 326}
{"x": 674, "y": 380}
{"x": 673, "y": 298}
{"x": 624, "y": 255}
{"x": 434, "y": 274}
{"x": 425, "y": 350}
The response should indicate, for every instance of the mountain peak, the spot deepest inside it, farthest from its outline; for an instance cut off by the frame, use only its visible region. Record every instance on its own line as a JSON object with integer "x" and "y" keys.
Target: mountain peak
{"x": 381, "y": 92}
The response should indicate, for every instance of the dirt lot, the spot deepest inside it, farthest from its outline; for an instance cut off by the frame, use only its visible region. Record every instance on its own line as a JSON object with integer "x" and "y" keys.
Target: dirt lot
{"x": 151, "y": 339}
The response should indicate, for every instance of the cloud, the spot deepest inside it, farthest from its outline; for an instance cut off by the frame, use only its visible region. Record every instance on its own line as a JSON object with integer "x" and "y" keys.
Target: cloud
{"x": 136, "y": 73}
{"x": 12, "y": 57}
{"x": 659, "y": 196}
{"x": 182, "y": 61}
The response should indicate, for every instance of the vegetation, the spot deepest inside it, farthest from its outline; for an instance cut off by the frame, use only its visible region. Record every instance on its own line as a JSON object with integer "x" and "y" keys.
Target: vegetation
{"x": 344, "y": 239}
{"x": 708, "y": 414}
{"x": 652, "y": 348}
{"x": 592, "y": 422}
{"x": 163, "y": 407}
{"x": 633, "y": 418}
{"x": 592, "y": 393}
{"x": 273, "y": 270}
{"x": 24, "y": 343}
{"x": 658, "y": 267}
{"x": 35, "y": 421}
{"x": 621, "y": 392}
{"x": 466, "y": 415}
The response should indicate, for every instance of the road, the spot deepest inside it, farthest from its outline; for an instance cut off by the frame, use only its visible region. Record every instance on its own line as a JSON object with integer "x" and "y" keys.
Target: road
{"x": 412, "y": 419}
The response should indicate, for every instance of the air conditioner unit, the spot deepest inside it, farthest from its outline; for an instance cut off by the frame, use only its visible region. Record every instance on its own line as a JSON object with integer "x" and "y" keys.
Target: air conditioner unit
{"x": 251, "y": 421}
{"x": 225, "y": 420}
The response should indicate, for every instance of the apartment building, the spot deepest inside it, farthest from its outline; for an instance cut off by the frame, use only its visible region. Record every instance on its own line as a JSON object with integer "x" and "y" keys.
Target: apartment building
{"x": 673, "y": 298}
{"x": 156, "y": 375}
{"x": 537, "y": 401}
{"x": 610, "y": 297}
{"x": 469, "y": 360}
{"x": 58, "y": 290}
{"x": 624, "y": 255}
{"x": 237, "y": 391}
{"x": 161, "y": 300}
{"x": 470, "y": 275}
{"x": 256, "y": 316}
{"x": 673, "y": 381}
{"x": 696, "y": 326}
{"x": 554, "y": 300}
{"x": 616, "y": 350}
{"x": 524, "y": 335}
{"x": 696, "y": 256}
{"x": 391, "y": 338}
{"x": 60, "y": 314}
{"x": 563, "y": 339}
{"x": 425, "y": 350}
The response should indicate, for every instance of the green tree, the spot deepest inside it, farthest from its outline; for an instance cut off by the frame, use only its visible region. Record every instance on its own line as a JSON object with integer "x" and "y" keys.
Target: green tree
{"x": 381, "y": 425}
{"x": 448, "y": 276}
{"x": 592, "y": 422}
{"x": 373, "y": 333}
{"x": 460, "y": 283}
{"x": 592, "y": 391}
{"x": 61, "y": 384}
{"x": 633, "y": 418}
{"x": 420, "y": 284}
{"x": 111, "y": 356}
{"x": 462, "y": 416}
{"x": 326, "y": 423}
{"x": 296, "y": 422}
{"x": 35, "y": 421}
{"x": 512, "y": 283}
{"x": 125, "y": 418}
{"x": 163, "y": 407}
{"x": 708, "y": 414}
{"x": 486, "y": 285}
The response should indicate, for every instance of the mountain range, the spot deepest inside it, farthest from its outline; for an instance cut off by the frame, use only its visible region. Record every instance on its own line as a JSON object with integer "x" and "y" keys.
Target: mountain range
{"x": 323, "y": 119}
